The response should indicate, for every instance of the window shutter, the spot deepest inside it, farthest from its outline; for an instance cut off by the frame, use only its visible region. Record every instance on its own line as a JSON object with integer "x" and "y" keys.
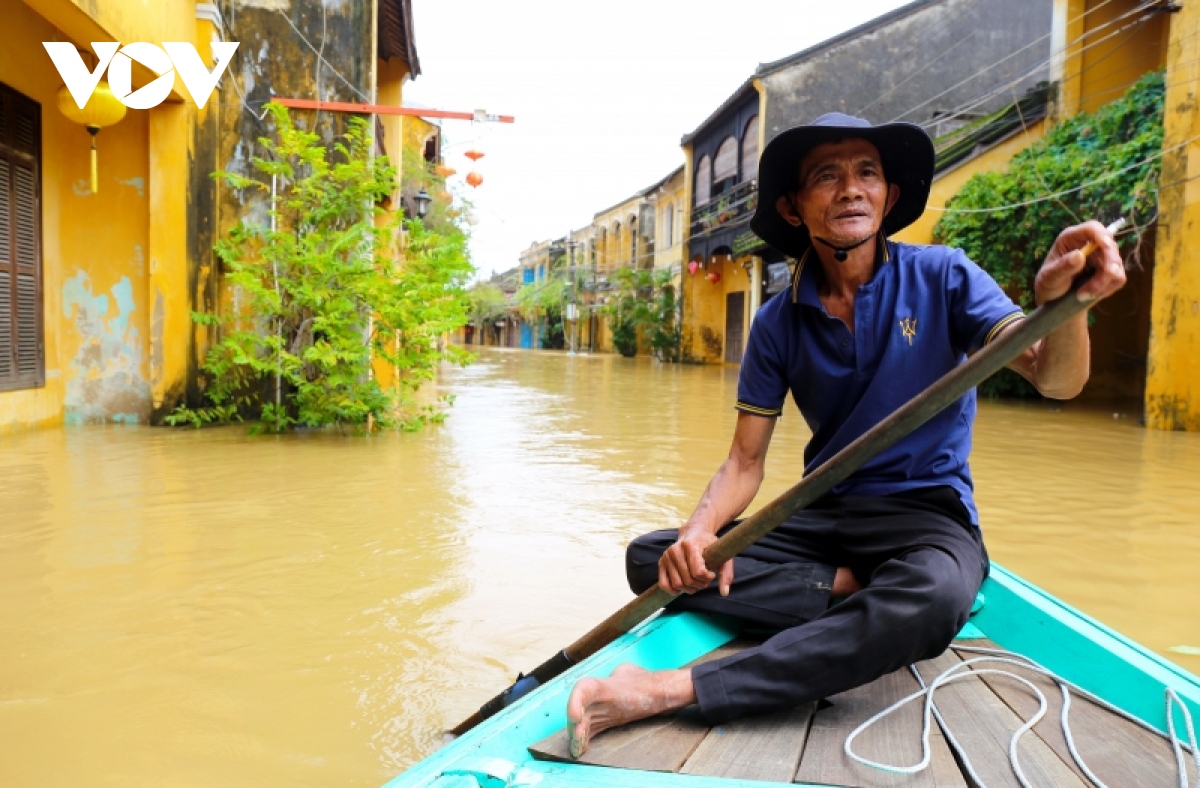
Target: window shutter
{"x": 726, "y": 163}
{"x": 22, "y": 362}
{"x": 703, "y": 187}
{"x": 750, "y": 150}
{"x": 7, "y": 362}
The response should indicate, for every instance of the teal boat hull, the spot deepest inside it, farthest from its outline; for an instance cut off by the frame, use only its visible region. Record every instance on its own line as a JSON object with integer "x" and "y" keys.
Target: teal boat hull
{"x": 1016, "y": 615}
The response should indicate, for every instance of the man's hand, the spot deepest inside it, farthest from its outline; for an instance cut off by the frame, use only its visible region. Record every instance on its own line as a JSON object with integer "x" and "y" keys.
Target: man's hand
{"x": 681, "y": 569}
{"x": 1065, "y": 261}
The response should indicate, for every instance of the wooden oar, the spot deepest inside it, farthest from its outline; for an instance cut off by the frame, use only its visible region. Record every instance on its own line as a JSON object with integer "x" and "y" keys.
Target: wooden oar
{"x": 946, "y": 390}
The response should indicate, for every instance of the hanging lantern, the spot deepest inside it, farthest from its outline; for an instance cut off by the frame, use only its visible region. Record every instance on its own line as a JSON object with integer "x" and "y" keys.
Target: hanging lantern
{"x": 713, "y": 277}
{"x": 693, "y": 267}
{"x": 474, "y": 179}
{"x": 474, "y": 155}
{"x": 444, "y": 171}
{"x": 102, "y": 109}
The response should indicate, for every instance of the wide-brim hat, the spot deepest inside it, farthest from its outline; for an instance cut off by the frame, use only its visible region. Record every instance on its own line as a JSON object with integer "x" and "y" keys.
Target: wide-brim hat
{"x": 907, "y": 157}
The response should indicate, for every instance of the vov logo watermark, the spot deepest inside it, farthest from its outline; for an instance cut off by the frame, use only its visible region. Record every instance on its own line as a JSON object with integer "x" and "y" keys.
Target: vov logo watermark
{"x": 179, "y": 57}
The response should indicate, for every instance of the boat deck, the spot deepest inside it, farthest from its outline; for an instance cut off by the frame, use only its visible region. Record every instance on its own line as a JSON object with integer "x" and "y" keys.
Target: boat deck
{"x": 804, "y": 744}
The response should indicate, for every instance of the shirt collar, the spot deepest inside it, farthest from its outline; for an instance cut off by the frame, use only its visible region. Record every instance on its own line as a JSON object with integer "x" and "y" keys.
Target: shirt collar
{"x": 804, "y": 285}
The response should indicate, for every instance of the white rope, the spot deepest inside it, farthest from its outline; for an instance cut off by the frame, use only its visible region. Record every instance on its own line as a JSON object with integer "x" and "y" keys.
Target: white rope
{"x": 960, "y": 670}
{"x": 1173, "y": 699}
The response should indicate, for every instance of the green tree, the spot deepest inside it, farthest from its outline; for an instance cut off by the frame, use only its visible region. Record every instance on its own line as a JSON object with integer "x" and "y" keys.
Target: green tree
{"x": 644, "y": 303}
{"x": 545, "y": 301}
{"x": 330, "y": 292}
{"x": 488, "y": 304}
{"x": 1111, "y": 153}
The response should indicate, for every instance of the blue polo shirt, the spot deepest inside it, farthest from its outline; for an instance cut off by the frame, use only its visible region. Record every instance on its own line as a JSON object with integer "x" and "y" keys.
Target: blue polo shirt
{"x": 924, "y": 310}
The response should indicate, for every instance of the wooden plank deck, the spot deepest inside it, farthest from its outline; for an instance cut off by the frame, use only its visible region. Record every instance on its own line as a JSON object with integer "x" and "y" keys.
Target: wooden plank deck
{"x": 806, "y": 745}
{"x": 1115, "y": 749}
{"x": 982, "y": 724}
{"x": 895, "y": 739}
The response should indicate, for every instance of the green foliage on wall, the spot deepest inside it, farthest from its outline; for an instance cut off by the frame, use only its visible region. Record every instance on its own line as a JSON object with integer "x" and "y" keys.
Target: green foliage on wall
{"x": 1101, "y": 149}
{"x": 487, "y": 305}
{"x": 544, "y": 303}
{"x": 336, "y": 315}
{"x": 644, "y": 302}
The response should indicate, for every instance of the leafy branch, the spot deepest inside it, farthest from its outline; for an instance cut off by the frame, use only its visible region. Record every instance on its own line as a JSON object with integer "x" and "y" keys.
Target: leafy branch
{"x": 340, "y": 306}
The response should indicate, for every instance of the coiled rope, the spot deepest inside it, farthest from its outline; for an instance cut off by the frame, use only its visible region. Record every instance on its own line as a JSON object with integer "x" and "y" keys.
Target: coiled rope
{"x": 960, "y": 670}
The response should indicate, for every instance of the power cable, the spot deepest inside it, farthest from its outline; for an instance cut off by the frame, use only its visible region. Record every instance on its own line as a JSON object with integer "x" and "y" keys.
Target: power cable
{"x": 920, "y": 39}
{"x": 1138, "y": 9}
{"x": 992, "y": 92}
{"x": 321, "y": 58}
{"x": 1105, "y": 177}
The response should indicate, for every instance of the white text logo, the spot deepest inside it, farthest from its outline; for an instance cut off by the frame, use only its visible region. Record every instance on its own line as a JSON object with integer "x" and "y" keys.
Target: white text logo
{"x": 181, "y": 57}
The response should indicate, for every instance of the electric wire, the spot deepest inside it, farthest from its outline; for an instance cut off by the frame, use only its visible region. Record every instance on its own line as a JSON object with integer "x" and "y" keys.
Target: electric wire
{"x": 1040, "y": 65}
{"x": 992, "y": 92}
{"x": 917, "y": 42}
{"x": 1105, "y": 177}
{"x": 321, "y": 58}
{"x": 1029, "y": 72}
{"x": 1102, "y": 178}
{"x": 1138, "y": 9}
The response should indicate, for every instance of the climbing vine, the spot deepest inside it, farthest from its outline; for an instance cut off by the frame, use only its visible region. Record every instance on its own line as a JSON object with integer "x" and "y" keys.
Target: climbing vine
{"x": 1113, "y": 150}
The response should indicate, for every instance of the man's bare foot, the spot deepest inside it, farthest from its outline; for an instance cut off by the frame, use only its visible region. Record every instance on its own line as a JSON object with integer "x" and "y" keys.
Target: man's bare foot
{"x": 630, "y": 694}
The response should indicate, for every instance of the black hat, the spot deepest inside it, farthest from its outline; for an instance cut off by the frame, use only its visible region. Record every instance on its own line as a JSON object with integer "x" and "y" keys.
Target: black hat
{"x": 906, "y": 151}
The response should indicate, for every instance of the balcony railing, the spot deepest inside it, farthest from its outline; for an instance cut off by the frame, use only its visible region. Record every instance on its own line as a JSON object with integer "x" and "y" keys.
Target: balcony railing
{"x": 737, "y": 203}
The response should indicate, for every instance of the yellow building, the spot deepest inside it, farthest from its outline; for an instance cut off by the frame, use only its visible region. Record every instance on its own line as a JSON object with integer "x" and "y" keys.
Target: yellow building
{"x": 723, "y": 283}
{"x": 644, "y": 231}
{"x": 96, "y": 294}
{"x": 1100, "y": 49}
{"x": 622, "y": 237}
{"x": 670, "y": 203}
{"x": 1172, "y": 398}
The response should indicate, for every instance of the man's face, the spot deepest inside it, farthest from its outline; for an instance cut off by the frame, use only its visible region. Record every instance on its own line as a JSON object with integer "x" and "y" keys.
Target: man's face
{"x": 842, "y": 195}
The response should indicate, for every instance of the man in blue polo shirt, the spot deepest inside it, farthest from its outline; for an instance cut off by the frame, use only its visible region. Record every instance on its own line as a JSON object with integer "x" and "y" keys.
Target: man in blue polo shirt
{"x": 866, "y": 325}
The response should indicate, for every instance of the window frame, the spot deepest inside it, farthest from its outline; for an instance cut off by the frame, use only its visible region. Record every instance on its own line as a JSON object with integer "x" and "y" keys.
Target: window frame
{"x": 15, "y": 105}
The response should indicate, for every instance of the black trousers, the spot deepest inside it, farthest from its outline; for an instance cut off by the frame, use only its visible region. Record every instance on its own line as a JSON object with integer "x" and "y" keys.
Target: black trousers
{"x": 920, "y": 563}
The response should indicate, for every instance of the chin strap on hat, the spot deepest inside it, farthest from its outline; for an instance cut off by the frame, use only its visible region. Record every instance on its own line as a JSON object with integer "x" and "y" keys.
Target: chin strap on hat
{"x": 839, "y": 252}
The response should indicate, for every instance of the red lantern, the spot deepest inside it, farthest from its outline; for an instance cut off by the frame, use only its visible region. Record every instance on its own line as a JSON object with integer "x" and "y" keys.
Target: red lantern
{"x": 713, "y": 277}
{"x": 474, "y": 155}
{"x": 444, "y": 171}
{"x": 474, "y": 179}
{"x": 693, "y": 267}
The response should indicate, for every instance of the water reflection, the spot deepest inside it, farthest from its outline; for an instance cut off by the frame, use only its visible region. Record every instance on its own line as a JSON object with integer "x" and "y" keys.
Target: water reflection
{"x": 207, "y": 607}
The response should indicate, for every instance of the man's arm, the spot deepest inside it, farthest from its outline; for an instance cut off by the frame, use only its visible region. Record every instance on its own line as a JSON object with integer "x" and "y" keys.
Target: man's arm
{"x": 733, "y": 487}
{"x": 1059, "y": 364}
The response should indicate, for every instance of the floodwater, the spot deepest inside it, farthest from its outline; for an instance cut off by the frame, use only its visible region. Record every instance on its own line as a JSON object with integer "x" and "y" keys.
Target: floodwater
{"x": 204, "y": 608}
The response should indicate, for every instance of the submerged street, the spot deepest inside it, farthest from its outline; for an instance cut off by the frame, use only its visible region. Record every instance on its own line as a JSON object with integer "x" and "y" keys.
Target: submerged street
{"x": 206, "y": 607}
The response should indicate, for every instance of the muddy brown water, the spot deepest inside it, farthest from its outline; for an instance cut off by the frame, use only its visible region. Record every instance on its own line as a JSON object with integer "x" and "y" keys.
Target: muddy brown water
{"x": 210, "y": 608}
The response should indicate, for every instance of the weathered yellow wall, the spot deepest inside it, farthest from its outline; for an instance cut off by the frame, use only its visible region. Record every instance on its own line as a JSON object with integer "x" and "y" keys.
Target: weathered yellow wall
{"x": 154, "y": 21}
{"x": 96, "y": 249}
{"x": 950, "y": 182}
{"x": 668, "y": 251}
{"x": 391, "y": 93}
{"x": 401, "y": 133}
{"x": 614, "y": 253}
{"x": 704, "y": 308}
{"x": 167, "y": 300}
{"x": 1173, "y": 369}
{"x": 1101, "y": 58}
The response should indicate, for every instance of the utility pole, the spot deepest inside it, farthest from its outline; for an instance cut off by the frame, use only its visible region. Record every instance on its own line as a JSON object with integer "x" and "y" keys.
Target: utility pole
{"x": 573, "y": 307}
